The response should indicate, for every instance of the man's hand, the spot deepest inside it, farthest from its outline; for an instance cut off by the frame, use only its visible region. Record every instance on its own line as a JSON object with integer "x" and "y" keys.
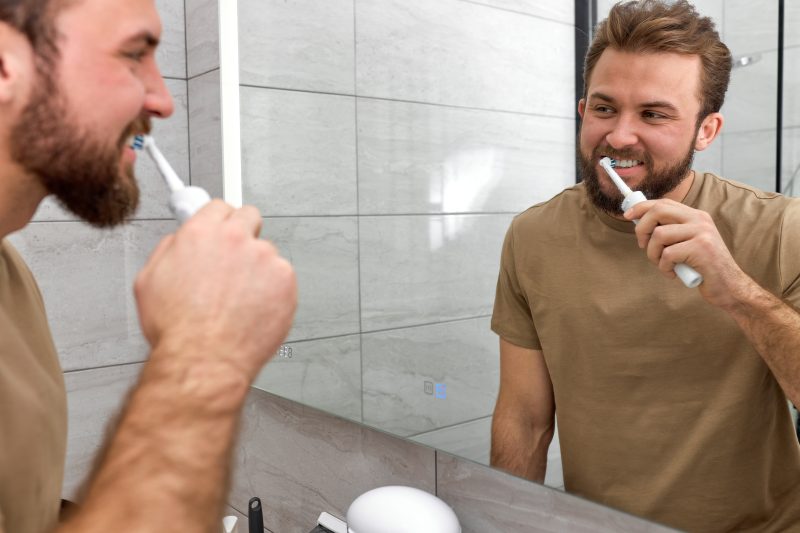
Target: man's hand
{"x": 214, "y": 291}
{"x": 672, "y": 233}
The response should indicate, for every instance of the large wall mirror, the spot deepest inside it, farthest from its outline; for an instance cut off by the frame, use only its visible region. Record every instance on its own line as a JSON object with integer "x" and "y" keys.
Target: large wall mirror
{"x": 391, "y": 142}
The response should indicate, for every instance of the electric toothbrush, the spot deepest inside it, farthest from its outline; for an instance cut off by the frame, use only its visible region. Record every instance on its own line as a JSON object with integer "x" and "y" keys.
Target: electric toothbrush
{"x": 689, "y": 276}
{"x": 183, "y": 201}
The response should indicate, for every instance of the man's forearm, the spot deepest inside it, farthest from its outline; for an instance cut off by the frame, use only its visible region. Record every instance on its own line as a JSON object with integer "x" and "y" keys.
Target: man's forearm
{"x": 520, "y": 448}
{"x": 168, "y": 463}
{"x": 773, "y": 328}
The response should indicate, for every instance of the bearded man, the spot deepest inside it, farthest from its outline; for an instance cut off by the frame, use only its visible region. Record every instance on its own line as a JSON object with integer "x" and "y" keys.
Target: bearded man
{"x": 78, "y": 79}
{"x": 671, "y": 402}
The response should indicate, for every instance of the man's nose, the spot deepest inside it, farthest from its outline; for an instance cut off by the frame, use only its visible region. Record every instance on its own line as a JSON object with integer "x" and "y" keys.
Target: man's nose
{"x": 158, "y": 100}
{"x": 623, "y": 133}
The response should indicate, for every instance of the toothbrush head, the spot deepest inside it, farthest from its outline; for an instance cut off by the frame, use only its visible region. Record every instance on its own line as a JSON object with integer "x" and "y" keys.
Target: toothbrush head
{"x": 612, "y": 162}
{"x": 138, "y": 142}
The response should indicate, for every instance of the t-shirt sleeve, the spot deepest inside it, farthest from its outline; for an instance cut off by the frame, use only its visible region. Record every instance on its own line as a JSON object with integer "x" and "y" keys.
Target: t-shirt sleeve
{"x": 790, "y": 254}
{"x": 512, "y": 318}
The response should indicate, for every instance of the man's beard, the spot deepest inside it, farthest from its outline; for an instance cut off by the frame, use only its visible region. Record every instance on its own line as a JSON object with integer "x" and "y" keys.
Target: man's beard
{"x": 656, "y": 184}
{"x": 84, "y": 173}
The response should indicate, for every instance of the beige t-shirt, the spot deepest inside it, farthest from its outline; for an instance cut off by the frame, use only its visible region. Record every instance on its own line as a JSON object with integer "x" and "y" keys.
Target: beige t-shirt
{"x": 664, "y": 409}
{"x": 33, "y": 412}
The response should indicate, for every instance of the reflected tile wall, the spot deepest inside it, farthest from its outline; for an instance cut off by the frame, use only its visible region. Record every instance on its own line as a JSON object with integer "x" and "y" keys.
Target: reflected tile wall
{"x": 559, "y": 11}
{"x": 791, "y": 85}
{"x": 86, "y": 277}
{"x": 94, "y": 397}
{"x": 750, "y": 158}
{"x": 751, "y": 25}
{"x": 751, "y": 101}
{"x": 324, "y": 253}
{"x": 171, "y": 52}
{"x": 304, "y": 44}
{"x": 325, "y": 374}
{"x": 472, "y": 441}
{"x": 710, "y": 159}
{"x": 458, "y": 53}
{"x": 416, "y": 158}
{"x": 417, "y": 379}
{"x": 790, "y": 177}
{"x": 172, "y": 137}
{"x": 298, "y": 152}
{"x": 202, "y": 36}
{"x": 423, "y": 269}
{"x": 205, "y": 123}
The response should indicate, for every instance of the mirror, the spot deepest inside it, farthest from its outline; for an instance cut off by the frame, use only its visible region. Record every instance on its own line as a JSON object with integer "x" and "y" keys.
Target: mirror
{"x": 390, "y": 144}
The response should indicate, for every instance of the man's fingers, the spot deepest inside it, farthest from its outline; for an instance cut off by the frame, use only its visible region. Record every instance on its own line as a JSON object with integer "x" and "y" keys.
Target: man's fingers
{"x": 249, "y": 218}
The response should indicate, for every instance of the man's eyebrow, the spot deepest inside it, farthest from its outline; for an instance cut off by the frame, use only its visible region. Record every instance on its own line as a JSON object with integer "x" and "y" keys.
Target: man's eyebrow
{"x": 663, "y": 104}
{"x": 144, "y": 36}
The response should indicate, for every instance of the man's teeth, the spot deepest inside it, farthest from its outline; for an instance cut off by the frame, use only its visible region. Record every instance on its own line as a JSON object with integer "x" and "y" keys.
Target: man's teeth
{"x": 626, "y": 163}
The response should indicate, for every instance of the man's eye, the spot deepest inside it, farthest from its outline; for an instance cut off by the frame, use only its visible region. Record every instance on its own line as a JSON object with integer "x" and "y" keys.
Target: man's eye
{"x": 603, "y": 109}
{"x": 138, "y": 55}
{"x": 652, "y": 114}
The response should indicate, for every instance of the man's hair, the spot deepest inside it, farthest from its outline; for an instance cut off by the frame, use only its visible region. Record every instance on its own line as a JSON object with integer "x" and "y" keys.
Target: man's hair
{"x": 36, "y": 20}
{"x": 658, "y": 26}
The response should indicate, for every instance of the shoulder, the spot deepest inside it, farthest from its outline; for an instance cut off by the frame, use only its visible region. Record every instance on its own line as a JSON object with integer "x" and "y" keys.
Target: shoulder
{"x": 739, "y": 202}
{"x": 550, "y": 215}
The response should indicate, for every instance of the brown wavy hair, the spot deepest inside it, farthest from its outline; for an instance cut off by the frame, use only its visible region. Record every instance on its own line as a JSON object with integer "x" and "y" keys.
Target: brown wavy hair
{"x": 36, "y": 20}
{"x": 658, "y": 26}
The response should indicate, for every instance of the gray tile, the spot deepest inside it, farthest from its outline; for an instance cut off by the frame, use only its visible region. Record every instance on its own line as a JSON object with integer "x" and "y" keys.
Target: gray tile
{"x": 324, "y": 253}
{"x": 791, "y": 24}
{"x": 172, "y": 137}
{"x": 750, "y": 158}
{"x": 303, "y": 462}
{"x": 459, "y": 53}
{"x": 205, "y": 130}
{"x": 457, "y": 361}
{"x": 94, "y": 397}
{"x": 489, "y": 501}
{"x": 325, "y": 374}
{"x": 202, "y": 36}
{"x": 751, "y": 101}
{"x": 171, "y": 53}
{"x": 416, "y": 158}
{"x": 790, "y": 178}
{"x": 751, "y": 25}
{"x": 470, "y": 440}
{"x": 549, "y": 9}
{"x": 425, "y": 269}
{"x": 707, "y": 8}
{"x": 86, "y": 276}
{"x": 298, "y": 152}
{"x": 791, "y": 86}
{"x": 303, "y": 44}
{"x": 710, "y": 159}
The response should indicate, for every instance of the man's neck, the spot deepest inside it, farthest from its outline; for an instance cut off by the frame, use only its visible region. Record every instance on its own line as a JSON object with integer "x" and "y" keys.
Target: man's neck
{"x": 677, "y": 194}
{"x": 20, "y": 196}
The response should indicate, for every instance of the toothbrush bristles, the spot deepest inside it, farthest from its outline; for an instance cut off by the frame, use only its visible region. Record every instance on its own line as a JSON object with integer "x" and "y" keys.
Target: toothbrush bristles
{"x": 138, "y": 142}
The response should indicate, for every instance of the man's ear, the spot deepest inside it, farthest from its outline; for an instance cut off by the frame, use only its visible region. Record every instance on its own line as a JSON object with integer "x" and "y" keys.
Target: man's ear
{"x": 708, "y": 131}
{"x": 581, "y": 107}
{"x": 16, "y": 63}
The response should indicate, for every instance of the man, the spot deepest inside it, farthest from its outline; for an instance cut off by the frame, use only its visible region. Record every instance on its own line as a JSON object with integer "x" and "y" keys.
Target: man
{"x": 671, "y": 402}
{"x": 78, "y": 78}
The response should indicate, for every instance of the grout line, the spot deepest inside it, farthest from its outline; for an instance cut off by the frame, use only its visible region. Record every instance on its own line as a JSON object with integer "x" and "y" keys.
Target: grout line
{"x": 436, "y": 471}
{"x": 201, "y": 74}
{"x": 76, "y": 370}
{"x": 462, "y": 423}
{"x": 403, "y": 101}
{"x": 370, "y": 332}
{"x": 185, "y": 44}
{"x": 531, "y": 15}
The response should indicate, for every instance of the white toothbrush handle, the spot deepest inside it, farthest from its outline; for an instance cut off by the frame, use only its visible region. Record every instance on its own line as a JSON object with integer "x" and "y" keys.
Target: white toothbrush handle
{"x": 187, "y": 201}
{"x": 689, "y": 276}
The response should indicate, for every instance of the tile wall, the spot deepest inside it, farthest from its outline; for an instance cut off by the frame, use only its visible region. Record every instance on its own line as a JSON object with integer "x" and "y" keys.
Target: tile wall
{"x": 389, "y": 143}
